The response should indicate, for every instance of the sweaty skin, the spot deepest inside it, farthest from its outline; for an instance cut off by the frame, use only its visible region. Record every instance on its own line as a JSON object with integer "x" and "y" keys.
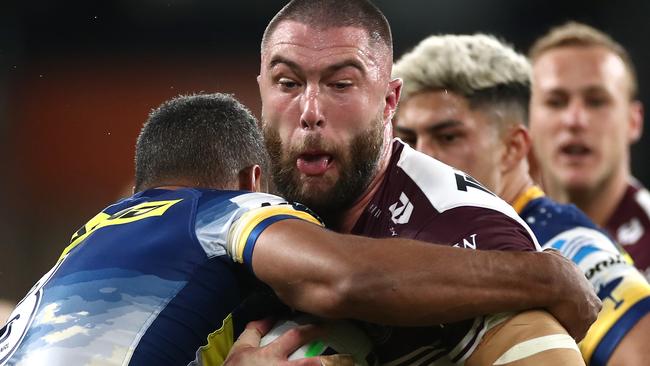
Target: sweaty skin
{"x": 332, "y": 85}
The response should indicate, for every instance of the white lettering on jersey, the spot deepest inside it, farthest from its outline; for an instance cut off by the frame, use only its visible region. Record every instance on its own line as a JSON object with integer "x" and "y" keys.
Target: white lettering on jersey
{"x": 401, "y": 214}
{"x": 467, "y": 243}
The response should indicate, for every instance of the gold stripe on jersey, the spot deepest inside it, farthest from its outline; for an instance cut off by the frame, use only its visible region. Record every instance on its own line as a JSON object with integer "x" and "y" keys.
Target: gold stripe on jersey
{"x": 631, "y": 290}
{"x": 241, "y": 230}
{"x": 529, "y": 195}
{"x": 128, "y": 215}
{"x": 219, "y": 344}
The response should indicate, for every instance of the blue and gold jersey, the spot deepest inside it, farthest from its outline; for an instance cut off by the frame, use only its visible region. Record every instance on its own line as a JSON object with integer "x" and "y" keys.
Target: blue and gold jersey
{"x": 147, "y": 281}
{"x": 624, "y": 291}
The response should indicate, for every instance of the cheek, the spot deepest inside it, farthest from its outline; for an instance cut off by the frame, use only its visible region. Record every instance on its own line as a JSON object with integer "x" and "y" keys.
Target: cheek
{"x": 540, "y": 134}
{"x": 462, "y": 158}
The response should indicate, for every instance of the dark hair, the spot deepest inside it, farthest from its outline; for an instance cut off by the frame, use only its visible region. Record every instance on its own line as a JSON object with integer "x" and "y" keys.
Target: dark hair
{"x": 335, "y": 13}
{"x": 510, "y": 97}
{"x": 206, "y": 139}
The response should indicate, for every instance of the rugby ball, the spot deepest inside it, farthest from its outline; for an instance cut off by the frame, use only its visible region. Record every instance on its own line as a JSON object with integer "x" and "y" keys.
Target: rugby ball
{"x": 342, "y": 337}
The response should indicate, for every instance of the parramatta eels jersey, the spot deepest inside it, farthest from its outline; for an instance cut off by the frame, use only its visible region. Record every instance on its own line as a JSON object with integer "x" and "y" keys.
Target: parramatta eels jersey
{"x": 424, "y": 199}
{"x": 629, "y": 224}
{"x": 623, "y": 290}
{"x": 147, "y": 281}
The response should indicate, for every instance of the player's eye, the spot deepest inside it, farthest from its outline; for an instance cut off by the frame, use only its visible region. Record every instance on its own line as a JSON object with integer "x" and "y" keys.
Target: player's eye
{"x": 596, "y": 101}
{"x": 407, "y": 138}
{"x": 341, "y": 84}
{"x": 447, "y": 137}
{"x": 288, "y": 84}
{"x": 556, "y": 102}
{"x": 411, "y": 141}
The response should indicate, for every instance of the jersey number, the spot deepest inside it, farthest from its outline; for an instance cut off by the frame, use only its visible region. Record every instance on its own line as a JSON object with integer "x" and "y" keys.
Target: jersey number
{"x": 464, "y": 181}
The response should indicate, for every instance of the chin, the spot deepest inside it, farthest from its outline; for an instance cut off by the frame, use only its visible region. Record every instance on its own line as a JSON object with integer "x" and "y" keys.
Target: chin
{"x": 578, "y": 182}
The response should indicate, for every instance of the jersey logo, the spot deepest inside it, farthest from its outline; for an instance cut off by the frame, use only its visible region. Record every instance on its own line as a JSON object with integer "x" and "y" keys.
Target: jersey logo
{"x": 630, "y": 232}
{"x": 22, "y": 317}
{"x": 464, "y": 181}
{"x": 131, "y": 214}
{"x": 606, "y": 291}
{"x": 603, "y": 265}
{"x": 401, "y": 214}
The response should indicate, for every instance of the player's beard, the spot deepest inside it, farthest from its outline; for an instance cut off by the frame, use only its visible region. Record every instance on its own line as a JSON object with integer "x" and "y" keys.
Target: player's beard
{"x": 357, "y": 164}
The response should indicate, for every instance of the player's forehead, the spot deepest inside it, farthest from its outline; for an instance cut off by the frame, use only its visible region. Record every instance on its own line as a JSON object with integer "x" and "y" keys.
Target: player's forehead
{"x": 427, "y": 108}
{"x": 579, "y": 67}
{"x": 309, "y": 46}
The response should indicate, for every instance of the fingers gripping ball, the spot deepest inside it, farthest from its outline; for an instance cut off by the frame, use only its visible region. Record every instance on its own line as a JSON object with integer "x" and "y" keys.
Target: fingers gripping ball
{"x": 339, "y": 337}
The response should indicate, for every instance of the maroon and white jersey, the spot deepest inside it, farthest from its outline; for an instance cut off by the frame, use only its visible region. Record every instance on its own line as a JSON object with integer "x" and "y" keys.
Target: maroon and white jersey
{"x": 424, "y": 199}
{"x": 630, "y": 225}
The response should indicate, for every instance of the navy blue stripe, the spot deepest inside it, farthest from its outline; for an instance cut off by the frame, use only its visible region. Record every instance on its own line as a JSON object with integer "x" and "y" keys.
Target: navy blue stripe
{"x": 616, "y": 333}
{"x": 256, "y": 232}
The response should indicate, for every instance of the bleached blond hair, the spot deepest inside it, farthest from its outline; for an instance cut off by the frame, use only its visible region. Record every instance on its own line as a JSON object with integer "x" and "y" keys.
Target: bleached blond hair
{"x": 461, "y": 63}
{"x": 479, "y": 67}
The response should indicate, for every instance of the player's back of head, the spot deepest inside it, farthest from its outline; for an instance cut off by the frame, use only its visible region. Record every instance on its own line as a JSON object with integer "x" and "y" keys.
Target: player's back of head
{"x": 324, "y": 14}
{"x": 204, "y": 140}
{"x": 484, "y": 70}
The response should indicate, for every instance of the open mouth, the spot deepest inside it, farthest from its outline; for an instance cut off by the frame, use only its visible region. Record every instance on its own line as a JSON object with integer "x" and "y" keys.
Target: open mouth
{"x": 315, "y": 163}
{"x": 575, "y": 150}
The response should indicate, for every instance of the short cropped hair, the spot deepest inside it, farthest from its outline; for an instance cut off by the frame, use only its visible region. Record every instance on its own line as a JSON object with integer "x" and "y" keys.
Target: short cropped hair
{"x": 206, "y": 139}
{"x": 481, "y": 68}
{"x": 327, "y": 14}
{"x": 582, "y": 35}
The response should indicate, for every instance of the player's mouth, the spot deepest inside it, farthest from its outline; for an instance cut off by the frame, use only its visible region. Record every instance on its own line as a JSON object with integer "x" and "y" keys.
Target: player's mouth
{"x": 314, "y": 163}
{"x": 575, "y": 152}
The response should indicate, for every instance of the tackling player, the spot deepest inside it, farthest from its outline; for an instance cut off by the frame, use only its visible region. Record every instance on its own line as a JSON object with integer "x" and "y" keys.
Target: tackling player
{"x": 465, "y": 102}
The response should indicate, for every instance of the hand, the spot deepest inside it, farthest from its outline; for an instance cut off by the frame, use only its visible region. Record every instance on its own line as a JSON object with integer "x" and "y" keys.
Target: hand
{"x": 577, "y": 306}
{"x": 247, "y": 351}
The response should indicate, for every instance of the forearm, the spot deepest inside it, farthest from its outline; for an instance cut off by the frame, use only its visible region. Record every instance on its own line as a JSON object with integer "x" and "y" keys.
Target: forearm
{"x": 396, "y": 281}
{"x": 633, "y": 349}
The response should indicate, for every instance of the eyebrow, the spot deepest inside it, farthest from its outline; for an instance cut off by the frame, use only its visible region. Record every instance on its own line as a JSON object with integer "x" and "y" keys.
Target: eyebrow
{"x": 435, "y": 128}
{"x": 346, "y": 63}
{"x": 276, "y": 60}
{"x": 282, "y": 60}
{"x": 404, "y": 130}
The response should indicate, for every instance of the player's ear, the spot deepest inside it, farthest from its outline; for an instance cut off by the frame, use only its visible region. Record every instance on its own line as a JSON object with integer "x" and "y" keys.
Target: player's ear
{"x": 392, "y": 97}
{"x": 517, "y": 145}
{"x": 250, "y": 178}
{"x": 636, "y": 121}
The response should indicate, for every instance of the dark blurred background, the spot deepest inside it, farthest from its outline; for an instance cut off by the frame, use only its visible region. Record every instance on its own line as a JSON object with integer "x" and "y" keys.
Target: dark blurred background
{"x": 77, "y": 79}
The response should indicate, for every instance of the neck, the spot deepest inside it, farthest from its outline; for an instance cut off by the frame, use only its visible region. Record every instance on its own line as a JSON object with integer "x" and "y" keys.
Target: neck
{"x": 600, "y": 201}
{"x": 515, "y": 183}
{"x": 350, "y": 216}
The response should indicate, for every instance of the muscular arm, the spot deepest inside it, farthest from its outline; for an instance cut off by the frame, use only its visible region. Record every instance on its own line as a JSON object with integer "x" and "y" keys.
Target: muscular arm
{"x": 528, "y": 338}
{"x": 406, "y": 282}
{"x": 633, "y": 349}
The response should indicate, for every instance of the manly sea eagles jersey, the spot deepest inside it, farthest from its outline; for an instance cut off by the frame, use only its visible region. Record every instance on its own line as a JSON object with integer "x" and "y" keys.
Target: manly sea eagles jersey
{"x": 623, "y": 290}
{"x": 630, "y": 225}
{"x": 421, "y": 198}
{"x": 147, "y": 281}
